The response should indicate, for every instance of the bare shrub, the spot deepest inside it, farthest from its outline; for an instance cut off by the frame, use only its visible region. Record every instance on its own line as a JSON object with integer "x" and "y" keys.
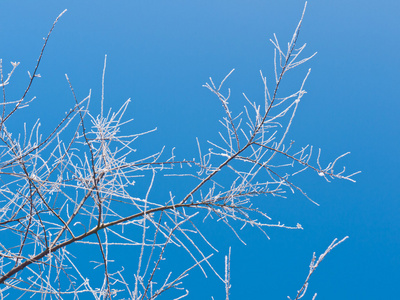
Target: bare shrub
{"x": 73, "y": 192}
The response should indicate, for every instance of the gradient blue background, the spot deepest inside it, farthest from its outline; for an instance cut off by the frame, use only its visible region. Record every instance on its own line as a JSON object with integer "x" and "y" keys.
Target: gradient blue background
{"x": 161, "y": 52}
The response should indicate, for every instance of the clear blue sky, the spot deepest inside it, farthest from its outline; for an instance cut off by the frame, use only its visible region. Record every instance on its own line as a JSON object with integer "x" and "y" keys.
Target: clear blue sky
{"x": 161, "y": 52}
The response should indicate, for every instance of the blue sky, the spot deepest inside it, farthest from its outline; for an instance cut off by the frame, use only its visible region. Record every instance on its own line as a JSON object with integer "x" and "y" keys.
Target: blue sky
{"x": 161, "y": 52}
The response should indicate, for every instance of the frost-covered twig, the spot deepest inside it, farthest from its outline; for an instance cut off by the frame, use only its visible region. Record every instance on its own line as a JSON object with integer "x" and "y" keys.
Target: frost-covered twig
{"x": 313, "y": 266}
